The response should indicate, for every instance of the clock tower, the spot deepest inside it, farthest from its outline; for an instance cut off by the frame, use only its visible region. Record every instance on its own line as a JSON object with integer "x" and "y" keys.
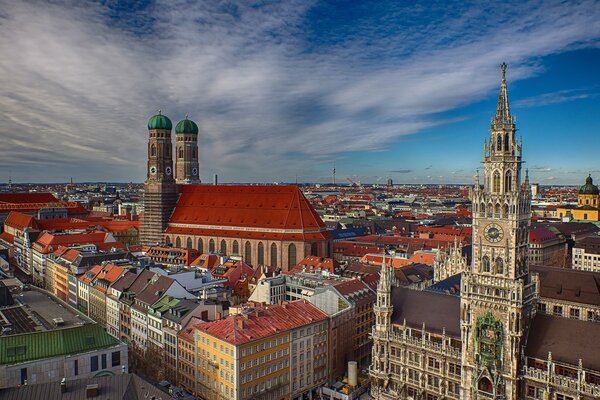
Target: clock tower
{"x": 497, "y": 292}
{"x": 160, "y": 190}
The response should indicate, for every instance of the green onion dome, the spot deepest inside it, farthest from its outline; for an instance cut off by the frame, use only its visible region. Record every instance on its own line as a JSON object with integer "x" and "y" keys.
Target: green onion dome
{"x": 160, "y": 121}
{"x": 589, "y": 187}
{"x": 186, "y": 126}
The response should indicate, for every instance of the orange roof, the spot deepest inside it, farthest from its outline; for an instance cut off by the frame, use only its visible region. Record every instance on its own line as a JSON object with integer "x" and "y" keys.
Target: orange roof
{"x": 109, "y": 273}
{"x": 19, "y": 220}
{"x": 310, "y": 263}
{"x": 264, "y": 321}
{"x": 48, "y": 241}
{"x": 248, "y": 234}
{"x": 7, "y": 237}
{"x": 256, "y": 206}
{"x": 90, "y": 274}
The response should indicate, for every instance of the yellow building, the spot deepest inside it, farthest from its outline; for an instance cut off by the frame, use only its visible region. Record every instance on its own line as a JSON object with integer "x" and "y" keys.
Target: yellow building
{"x": 248, "y": 355}
{"x": 588, "y": 204}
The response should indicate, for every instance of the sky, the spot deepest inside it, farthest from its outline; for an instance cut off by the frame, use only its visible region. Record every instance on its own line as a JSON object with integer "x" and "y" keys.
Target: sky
{"x": 282, "y": 90}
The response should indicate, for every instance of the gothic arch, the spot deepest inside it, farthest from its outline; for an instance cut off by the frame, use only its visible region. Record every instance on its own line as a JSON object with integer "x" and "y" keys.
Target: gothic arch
{"x": 188, "y": 244}
{"x": 485, "y": 385}
{"x": 505, "y": 210}
{"x": 499, "y": 265}
{"x": 291, "y": 256}
{"x": 497, "y": 210}
{"x": 508, "y": 181}
{"x": 247, "y": 252}
{"x": 490, "y": 210}
{"x": 181, "y": 152}
{"x": 153, "y": 150}
{"x": 499, "y": 147}
{"x": 236, "y": 248}
{"x": 273, "y": 255}
{"x": 223, "y": 247}
{"x": 168, "y": 240}
{"x": 178, "y": 242}
{"x": 506, "y": 142}
{"x": 200, "y": 246}
{"x": 211, "y": 246}
{"x": 496, "y": 182}
{"x": 485, "y": 264}
{"x": 261, "y": 254}
{"x": 482, "y": 209}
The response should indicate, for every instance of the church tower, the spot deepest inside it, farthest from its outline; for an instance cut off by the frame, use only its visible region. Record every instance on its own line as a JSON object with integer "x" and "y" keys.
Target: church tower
{"x": 382, "y": 331}
{"x": 497, "y": 294}
{"x": 160, "y": 190}
{"x": 186, "y": 152}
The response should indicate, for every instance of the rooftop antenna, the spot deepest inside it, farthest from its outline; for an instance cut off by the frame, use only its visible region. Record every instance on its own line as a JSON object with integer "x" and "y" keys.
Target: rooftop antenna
{"x": 9, "y": 179}
{"x": 333, "y": 172}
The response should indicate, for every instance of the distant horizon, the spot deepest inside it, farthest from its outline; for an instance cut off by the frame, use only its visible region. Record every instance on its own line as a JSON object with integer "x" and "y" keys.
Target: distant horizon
{"x": 289, "y": 89}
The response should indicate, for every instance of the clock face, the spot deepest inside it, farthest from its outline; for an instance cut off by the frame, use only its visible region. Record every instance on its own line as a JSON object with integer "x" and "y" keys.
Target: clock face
{"x": 153, "y": 170}
{"x": 194, "y": 171}
{"x": 493, "y": 233}
{"x": 168, "y": 170}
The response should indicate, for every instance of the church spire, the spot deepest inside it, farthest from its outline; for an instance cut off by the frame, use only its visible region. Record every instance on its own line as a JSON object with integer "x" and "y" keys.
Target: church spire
{"x": 503, "y": 117}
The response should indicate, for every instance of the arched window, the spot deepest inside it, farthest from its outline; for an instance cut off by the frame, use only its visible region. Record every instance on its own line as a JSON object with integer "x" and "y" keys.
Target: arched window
{"x": 314, "y": 249}
{"x": 200, "y": 246}
{"x": 506, "y": 142}
{"x": 188, "y": 244}
{"x": 485, "y": 385}
{"x": 236, "y": 248}
{"x": 496, "y": 184}
{"x": 497, "y": 211}
{"x": 505, "y": 211}
{"x": 247, "y": 253}
{"x": 482, "y": 209}
{"x": 499, "y": 265}
{"x": 291, "y": 256}
{"x": 261, "y": 254}
{"x": 499, "y": 147}
{"x": 508, "y": 181}
{"x": 193, "y": 153}
{"x": 153, "y": 150}
{"x": 274, "y": 255}
{"x": 168, "y": 240}
{"x": 178, "y": 242}
{"x": 180, "y": 152}
{"x": 223, "y": 247}
{"x": 485, "y": 264}
{"x": 211, "y": 246}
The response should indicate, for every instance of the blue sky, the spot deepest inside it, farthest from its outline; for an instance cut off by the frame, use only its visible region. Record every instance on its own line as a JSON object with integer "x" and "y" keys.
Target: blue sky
{"x": 281, "y": 89}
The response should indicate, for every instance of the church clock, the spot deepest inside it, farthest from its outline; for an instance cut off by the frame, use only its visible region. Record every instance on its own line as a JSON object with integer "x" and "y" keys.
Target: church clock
{"x": 493, "y": 233}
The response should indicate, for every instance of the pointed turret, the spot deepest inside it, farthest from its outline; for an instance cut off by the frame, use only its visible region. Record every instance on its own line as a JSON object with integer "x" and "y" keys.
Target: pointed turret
{"x": 383, "y": 306}
{"x": 503, "y": 117}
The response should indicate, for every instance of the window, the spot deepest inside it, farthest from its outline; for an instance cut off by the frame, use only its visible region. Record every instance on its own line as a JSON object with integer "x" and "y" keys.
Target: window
{"x": 178, "y": 242}
{"x": 223, "y": 247}
{"x": 115, "y": 358}
{"x": 485, "y": 385}
{"x": 273, "y": 255}
{"x": 499, "y": 265}
{"x": 153, "y": 150}
{"x": 499, "y": 147}
{"x": 291, "y": 256}
{"x": 557, "y": 311}
{"x": 103, "y": 361}
{"x": 23, "y": 375}
{"x": 261, "y": 253}
{"x": 485, "y": 264}
{"x": 189, "y": 243}
{"x": 200, "y": 246}
{"x": 508, "y": 181}
{"x": 76, "y": 367}
{"x": 94, "y": 363}
{"x": 574, "y": 313}
{"x": 496, "y": 182}
{"x": 236, "y": 248}
{"x": 211, "y": 246}
{"x": 247, "y": 253}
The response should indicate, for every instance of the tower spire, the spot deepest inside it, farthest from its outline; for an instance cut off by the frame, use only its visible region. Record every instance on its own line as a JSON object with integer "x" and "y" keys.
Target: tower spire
{"x": 503, "y": 117}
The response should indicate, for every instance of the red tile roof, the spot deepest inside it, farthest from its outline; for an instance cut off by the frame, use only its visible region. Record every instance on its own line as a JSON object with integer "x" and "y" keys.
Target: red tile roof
{"x": 20, "y": 221}
{"x": 310, "y": 263}
{"x": 23, "y": 198}
{"x": 264, "y": 321}
{"x": 7, "y": 237}
{"x": 47, "y": 242}
{"x": 247, "y": 206}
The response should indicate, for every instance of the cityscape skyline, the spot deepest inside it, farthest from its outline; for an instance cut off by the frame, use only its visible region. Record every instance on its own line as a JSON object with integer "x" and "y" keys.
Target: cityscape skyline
{"x": 286, "y": 89}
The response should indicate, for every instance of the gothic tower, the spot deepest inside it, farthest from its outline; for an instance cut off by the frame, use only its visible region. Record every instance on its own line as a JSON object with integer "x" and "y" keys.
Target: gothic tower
{"x": 497, "y": 294}
{"x": 186, "y": 152}
{"x": 160, "y": 190}
{"x": 382, "y": 331}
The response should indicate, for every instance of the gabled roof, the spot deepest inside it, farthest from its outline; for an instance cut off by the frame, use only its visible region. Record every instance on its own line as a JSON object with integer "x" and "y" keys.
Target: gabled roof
{"x": 567, "y": 284}
{"x": 20, "y": 221}
{"x": 47, "y": 242}
{"x": 255, "y": 206}
{"x": 264, "y": 322}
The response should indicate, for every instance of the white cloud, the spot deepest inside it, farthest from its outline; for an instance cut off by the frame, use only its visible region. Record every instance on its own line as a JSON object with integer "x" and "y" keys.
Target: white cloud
{"x": 78, "y": 85}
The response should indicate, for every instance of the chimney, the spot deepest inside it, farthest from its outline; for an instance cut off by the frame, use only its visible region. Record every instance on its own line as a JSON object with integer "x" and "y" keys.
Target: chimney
{"x": 63, "y": 385}
{"x": 91, "y": 391}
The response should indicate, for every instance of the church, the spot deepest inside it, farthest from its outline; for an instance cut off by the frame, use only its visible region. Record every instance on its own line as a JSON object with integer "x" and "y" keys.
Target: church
{"x": 271, "y": 225}
{"x": 490, "y": 341}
